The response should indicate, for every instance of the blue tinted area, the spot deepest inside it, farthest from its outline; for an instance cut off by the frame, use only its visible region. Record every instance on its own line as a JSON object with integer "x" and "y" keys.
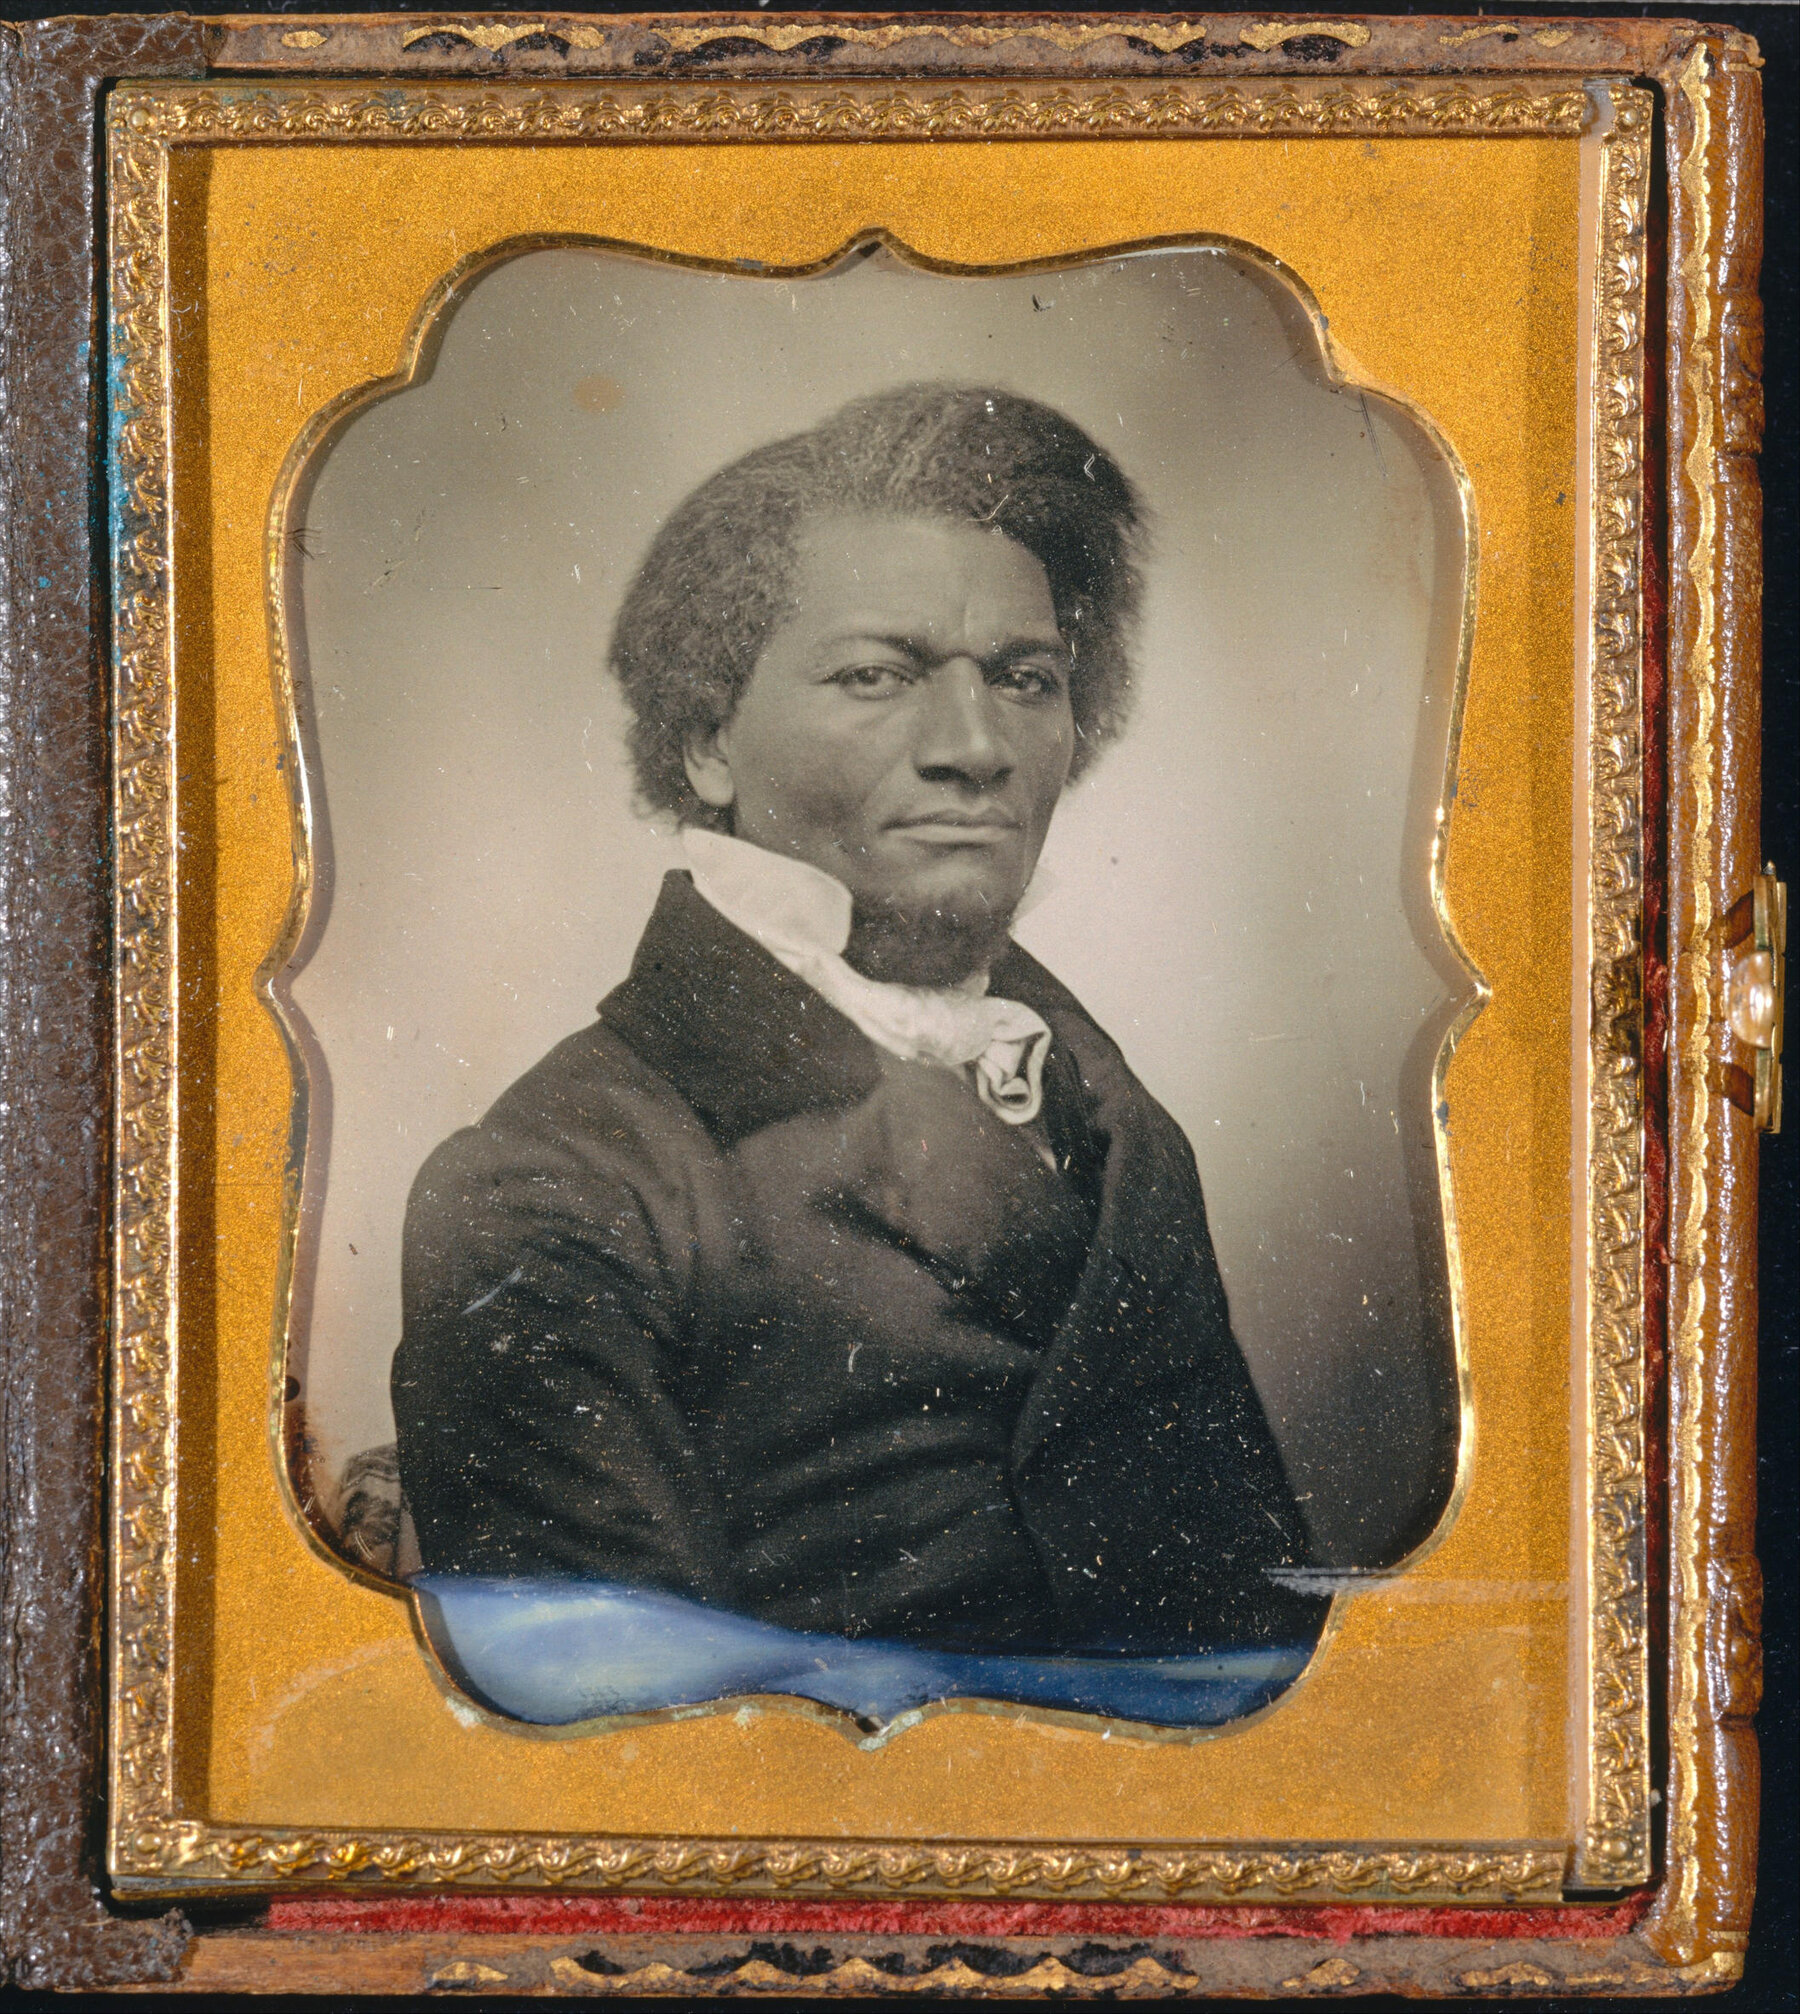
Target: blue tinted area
{"x": 557, "y": 1651}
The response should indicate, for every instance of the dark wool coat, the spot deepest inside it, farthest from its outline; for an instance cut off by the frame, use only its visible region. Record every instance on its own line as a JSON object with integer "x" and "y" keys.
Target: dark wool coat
{"x": 722, "y": 1299}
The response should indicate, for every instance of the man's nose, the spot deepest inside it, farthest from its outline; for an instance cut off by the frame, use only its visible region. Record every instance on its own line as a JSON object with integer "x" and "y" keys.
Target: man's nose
{"x": 961, "y": 732}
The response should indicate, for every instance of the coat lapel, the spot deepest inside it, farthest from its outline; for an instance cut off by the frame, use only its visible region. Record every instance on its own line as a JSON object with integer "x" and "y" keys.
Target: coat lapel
{"x": 744, "y": 1041}
{"x": 1148, "y": 1235}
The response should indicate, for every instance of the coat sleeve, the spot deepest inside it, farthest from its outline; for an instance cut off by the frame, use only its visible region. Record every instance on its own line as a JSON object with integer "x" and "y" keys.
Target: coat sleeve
{"x": 538, "y": 1384}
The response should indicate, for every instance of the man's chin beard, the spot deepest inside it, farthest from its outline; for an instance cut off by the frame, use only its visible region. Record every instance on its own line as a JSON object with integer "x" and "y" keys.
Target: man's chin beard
{"x": 924, "y": 944}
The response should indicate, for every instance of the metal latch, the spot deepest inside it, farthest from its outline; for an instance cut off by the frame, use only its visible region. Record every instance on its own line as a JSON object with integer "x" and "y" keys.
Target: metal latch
{"x": 1756, "y": 996}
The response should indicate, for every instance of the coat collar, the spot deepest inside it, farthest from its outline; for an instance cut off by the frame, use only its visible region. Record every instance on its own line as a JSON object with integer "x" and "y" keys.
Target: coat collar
{"x": 743, "y": 1040}
{"x": 748, "y": 1043}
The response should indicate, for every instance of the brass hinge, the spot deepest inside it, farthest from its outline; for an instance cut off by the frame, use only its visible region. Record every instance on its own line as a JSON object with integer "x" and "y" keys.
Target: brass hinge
{"x": 1756, "y": 996}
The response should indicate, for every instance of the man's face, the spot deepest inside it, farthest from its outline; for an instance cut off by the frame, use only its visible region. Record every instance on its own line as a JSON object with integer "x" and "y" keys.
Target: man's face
{"x": 908, "y": 728}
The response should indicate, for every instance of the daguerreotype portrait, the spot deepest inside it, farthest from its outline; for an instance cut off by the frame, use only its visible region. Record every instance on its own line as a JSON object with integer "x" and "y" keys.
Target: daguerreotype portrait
{"x": 922, "y": 846}
{"x": 844, "y": 1278}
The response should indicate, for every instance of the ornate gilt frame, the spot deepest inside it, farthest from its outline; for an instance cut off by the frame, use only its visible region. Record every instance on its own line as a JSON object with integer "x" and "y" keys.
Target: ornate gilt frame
{"x": 150, "y": 1842}
{"x": 1712, "y": 1634}
{"x": 1615, "y": 1840}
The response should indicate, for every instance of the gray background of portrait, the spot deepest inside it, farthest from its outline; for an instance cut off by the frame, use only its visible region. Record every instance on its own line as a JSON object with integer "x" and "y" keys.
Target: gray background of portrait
{"x": 1238, "y": 890}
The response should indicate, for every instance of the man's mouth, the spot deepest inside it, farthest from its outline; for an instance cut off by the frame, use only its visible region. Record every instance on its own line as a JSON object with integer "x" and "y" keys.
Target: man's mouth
{"x": 956, "y": 827}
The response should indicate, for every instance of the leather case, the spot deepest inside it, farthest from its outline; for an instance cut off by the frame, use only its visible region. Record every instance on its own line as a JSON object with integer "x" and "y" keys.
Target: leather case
{"x": 58, "y": 1925}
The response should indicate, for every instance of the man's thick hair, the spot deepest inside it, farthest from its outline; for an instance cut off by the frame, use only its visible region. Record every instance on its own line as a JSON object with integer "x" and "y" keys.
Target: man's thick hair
{"x": 716, "y": 582}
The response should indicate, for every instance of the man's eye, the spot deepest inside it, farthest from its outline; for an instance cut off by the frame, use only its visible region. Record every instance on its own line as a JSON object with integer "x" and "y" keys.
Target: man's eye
{"x": 1034, "y": 681}
{"x": 872, "y": 677}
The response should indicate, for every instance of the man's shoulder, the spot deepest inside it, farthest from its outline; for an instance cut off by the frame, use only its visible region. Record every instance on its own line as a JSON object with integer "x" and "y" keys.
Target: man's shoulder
{"x": 593, "y": 1074}
{"x": 588, "y": 1168}
{"x": 590, "y": 1110}
{"x": 631, "y": 1066}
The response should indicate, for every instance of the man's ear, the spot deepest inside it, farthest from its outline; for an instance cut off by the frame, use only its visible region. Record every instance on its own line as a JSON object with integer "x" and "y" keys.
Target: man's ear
{"x": 708, "y": 761}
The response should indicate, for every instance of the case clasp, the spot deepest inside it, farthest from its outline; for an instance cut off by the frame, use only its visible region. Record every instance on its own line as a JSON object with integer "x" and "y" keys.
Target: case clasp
{"x": 1756, "y": 997}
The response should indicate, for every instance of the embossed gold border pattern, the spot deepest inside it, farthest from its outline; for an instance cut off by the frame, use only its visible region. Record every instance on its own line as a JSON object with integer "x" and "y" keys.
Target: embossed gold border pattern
{"x": 152, "y": 1844}
{"x": 450, "y": 111}
{"x": 1110, "y": 1873}
{"x": 143, "y": 1424}
{"x": 1614, "y": 1847}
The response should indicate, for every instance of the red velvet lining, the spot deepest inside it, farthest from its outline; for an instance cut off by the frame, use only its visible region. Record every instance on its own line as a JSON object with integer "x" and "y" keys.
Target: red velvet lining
{"x": 695, "y": 1915}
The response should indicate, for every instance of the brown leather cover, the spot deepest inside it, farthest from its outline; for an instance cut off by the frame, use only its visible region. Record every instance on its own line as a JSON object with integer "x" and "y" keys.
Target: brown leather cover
{"x": 54, "y": 1013}
{"x": 1714, "y": 1672}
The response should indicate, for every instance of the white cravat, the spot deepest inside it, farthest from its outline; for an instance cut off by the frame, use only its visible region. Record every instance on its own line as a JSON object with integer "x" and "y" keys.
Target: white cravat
{"x": 801, "y": 916}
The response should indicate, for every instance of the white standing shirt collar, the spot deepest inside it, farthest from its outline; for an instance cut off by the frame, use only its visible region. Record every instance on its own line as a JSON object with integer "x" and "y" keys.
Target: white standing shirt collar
{"x": 784, "y": 903}
{"x": 801, "y": 916}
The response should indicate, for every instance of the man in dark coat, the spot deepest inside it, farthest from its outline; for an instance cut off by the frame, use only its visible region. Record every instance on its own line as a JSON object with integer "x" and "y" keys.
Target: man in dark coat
{"x": 842, "y": 1275}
